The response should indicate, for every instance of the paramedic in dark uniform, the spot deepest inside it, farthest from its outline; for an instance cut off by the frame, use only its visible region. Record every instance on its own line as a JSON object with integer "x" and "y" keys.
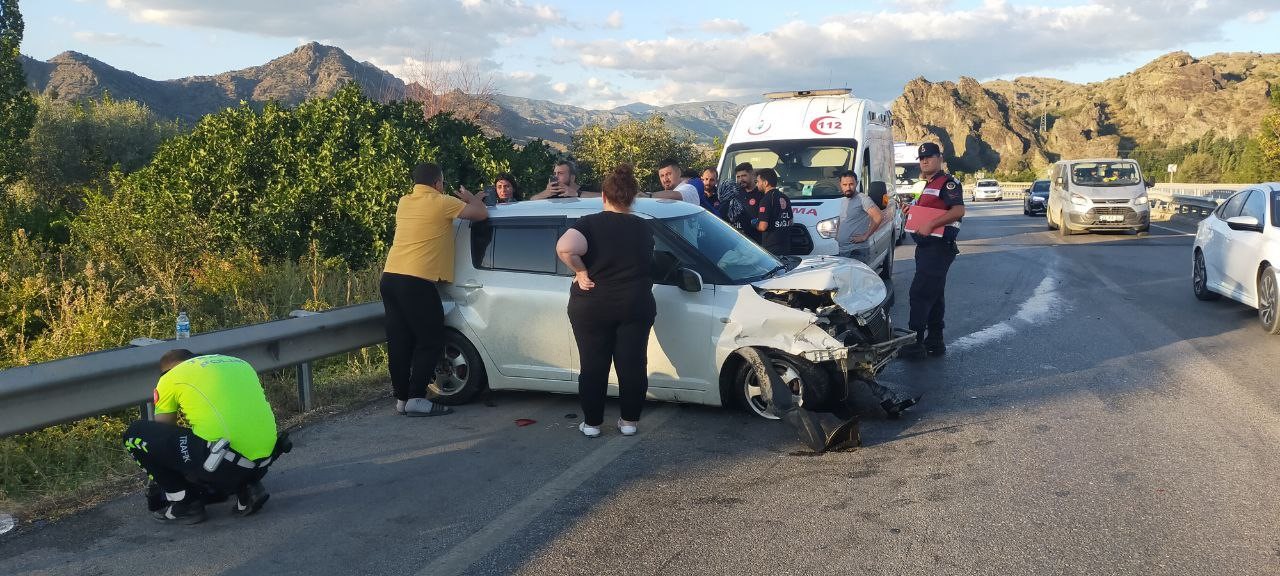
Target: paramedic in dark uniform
{"x": 773, "y": 216}
{"x": 934, "y": 255}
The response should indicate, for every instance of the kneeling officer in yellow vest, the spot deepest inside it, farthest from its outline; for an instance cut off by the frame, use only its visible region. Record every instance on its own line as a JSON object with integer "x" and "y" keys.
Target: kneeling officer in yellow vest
{"x": 231, "y": 442}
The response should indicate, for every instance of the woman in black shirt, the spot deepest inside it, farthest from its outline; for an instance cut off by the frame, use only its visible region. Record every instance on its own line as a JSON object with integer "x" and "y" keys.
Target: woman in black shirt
{"x": 611, "y": 305}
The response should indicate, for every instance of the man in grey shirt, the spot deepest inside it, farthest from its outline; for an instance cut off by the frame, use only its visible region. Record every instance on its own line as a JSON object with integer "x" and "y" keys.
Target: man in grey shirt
{"x": 859, "y": 218}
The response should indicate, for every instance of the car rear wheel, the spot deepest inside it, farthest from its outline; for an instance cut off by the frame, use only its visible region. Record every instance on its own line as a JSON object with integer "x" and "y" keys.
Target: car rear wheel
{"x": 1200, "y": 279}
{"x": 460, "y": 374}
{"x": 1267, "y": 301}
{"x": 796, "y": 374}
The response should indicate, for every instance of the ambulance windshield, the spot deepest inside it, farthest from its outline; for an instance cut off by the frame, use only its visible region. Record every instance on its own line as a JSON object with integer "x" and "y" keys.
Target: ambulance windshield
{"x": 806, "y": 168}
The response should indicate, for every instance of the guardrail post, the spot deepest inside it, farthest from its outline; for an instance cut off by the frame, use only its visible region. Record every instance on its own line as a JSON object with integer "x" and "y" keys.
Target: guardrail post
{"x": 304, "y": 371}
{"x": 146, "y": 409}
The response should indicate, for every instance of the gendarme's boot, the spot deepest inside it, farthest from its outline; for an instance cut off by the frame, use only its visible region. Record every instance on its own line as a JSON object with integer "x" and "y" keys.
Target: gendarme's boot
{"x": 915, "y": 350}
{"x": 933, "y": 343}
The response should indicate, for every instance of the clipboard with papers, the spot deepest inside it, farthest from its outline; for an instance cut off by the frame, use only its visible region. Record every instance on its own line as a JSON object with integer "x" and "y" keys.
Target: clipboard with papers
{"x": 918, "y": 214}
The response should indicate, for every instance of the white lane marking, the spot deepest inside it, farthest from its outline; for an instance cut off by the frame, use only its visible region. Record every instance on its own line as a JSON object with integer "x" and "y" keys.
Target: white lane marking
{"x": 1174, "y": 230}
{"x": 479, "y": 545}
{"x": 1098, "y": 275}
{"x": 1044, "y": 304}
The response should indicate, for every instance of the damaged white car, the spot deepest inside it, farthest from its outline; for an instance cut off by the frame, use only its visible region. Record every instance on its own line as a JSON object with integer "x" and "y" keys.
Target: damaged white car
{"x": 816, "y": 319}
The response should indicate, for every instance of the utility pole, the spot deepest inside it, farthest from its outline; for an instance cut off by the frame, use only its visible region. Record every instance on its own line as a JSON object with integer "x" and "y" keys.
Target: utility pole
{"x": 1044, "y": 122}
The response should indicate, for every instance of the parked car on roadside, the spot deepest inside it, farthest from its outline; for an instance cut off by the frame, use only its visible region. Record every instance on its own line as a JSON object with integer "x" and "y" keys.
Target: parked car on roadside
{"x": 1237, "y": 252}
{"x": 817, "y": 318}
{"x": 987, "y": 190}
{"x": 1037, "y": 199}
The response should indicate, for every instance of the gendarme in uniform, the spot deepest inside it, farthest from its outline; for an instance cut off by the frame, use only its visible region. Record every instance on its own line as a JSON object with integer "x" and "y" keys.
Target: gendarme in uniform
{"x": 934, "y": 256}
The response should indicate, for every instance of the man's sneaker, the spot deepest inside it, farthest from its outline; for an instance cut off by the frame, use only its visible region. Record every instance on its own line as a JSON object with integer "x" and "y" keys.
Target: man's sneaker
{"x": 249, "y": 499}
{"x": 589, "y": 431}
{"x": 424, "y": 407}
{"x": 400, "y": 407}
{"x": 938, "y": 349}
{"x": 627, "y": 428}
{"x": 186, "y": 511}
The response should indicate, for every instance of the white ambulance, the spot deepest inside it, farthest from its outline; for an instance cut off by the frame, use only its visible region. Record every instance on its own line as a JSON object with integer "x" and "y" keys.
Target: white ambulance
{"x": 809, "y": 137}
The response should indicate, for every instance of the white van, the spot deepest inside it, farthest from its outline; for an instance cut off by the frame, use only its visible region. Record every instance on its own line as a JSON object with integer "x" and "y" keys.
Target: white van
{"x": 1097, "y": 194}
{"x": 808, "y": 137}
{"x": 906, "y": 170}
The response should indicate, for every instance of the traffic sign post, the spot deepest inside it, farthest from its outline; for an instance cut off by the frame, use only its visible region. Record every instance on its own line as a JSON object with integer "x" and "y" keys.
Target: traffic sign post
{"x": 1171, "y": 169}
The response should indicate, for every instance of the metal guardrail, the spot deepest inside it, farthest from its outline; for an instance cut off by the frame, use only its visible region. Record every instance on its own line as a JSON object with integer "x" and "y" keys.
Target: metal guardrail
{"x": 40, "y": 395}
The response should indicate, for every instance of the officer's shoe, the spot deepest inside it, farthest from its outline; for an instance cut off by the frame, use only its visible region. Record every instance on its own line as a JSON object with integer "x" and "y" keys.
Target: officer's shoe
{"x": 894, "y": 409}
{"x": 935, "y": 349}
{"x": 155, "y": 497}
{"x": 187, "y": 511}
{"x": 913, "y": 351}
{"x": 249, "y": 499}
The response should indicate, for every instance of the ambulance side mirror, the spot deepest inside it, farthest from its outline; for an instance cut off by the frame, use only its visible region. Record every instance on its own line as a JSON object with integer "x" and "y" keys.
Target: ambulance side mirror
{"x": 877, "y": 191}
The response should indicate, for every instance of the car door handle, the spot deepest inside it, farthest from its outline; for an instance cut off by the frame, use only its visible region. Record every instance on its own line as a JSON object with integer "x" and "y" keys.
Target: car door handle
{"x": 470, "y": 286}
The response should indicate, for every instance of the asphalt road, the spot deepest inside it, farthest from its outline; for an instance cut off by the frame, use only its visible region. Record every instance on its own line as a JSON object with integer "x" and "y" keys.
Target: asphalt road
{"x": 1092, "y": 418}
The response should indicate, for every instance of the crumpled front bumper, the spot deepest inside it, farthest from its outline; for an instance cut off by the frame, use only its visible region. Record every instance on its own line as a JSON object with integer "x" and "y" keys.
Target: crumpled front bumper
{"x": 871, "y": 357}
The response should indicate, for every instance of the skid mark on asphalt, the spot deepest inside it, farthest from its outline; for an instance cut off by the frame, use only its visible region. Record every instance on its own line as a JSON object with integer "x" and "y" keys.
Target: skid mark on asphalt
{"x": 1044, "y": 304}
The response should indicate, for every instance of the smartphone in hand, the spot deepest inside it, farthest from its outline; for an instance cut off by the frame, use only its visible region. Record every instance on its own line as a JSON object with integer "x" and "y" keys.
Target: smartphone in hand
{"x": 490, "y": 196}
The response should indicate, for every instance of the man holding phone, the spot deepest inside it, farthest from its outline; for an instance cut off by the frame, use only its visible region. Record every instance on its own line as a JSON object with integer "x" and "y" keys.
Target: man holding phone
{"x": 564, "y": 183}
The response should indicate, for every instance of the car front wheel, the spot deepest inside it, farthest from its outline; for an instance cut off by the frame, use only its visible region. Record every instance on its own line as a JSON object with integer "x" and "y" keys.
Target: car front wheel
{"x": 460, "y": 374}
{"x": 1267, "y": 304}
{"x": 796, "y": 374}
{"x": 1200, "y": 279}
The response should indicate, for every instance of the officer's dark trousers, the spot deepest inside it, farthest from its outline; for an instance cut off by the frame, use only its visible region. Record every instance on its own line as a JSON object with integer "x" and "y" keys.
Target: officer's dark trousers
{"x": 415, "y": 332}
{"x": 609, "y": 331}
{"x": 928, "y": 304}
{"x": 174, "y": 457}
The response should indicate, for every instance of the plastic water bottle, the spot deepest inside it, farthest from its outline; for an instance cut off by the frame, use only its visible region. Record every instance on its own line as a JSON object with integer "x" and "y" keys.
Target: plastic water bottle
{"x": 184, "y": 326}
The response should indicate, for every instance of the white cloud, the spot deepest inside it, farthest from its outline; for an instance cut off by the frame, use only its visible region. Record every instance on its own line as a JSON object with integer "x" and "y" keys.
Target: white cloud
{"x": 876, "y": 53}
{"x": 614, "y": 20}
{"x": 113, "y": 39}
{"x": 1256, "y": 16}
{"x": 377, "y": 30}
{"x": 723, "y": 26}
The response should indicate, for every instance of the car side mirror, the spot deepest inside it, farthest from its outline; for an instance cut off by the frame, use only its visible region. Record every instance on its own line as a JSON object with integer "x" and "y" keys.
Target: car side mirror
{"x": 877, "y": 190}
{"x": 1247, "y": 223}
{"x": 690, "y": 281}
{"x": 1150, "y": 184}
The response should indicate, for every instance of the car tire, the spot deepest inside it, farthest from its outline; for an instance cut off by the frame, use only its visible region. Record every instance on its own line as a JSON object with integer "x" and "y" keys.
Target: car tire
{"x": 1063, "y": 229}
{"x": 1268, "y": 306}
{"x": 801, "y": 376}
{"x": 1200, "y": 279}
{"x": 1025, "y": 212}
{"x": 460, "y": 374}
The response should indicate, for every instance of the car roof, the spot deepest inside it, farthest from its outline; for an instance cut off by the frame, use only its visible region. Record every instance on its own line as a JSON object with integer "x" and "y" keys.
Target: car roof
{"x": 577, "y": 207}
{"x": 1083, "y": 160}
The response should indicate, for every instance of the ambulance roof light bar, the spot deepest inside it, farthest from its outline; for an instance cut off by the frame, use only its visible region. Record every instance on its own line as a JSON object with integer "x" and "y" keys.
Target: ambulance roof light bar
{"x": 807, "y": 93}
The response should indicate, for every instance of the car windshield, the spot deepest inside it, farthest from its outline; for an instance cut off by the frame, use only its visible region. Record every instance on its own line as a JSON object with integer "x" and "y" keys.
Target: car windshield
{"x": 806, "y": 168}
{"x": 1104, "y": 174}
{"x": 987, "y": 183}
{"x": 907, "y": 173}
{"x": 739, "y": 258}
{"x": 1040, "y": 187}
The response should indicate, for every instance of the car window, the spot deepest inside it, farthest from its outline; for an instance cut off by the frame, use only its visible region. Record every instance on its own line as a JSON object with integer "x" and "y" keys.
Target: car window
{"x": 1275, "y": 208}
{"x": 517, "y": 248}
{"x": 987, "y": 183}
{"x": 1256, "y": 206}
{"x": 1040, "y": 186}
{"x": 1231, "y": 208}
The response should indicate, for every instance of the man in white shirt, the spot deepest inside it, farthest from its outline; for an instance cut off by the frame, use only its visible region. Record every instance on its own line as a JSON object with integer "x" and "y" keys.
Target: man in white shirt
{"x": 674, "y": 184}
{"x": 859, "y": 218}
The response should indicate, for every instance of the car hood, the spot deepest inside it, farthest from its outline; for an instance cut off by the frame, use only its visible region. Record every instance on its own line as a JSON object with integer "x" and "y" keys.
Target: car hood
{"x": 851, "y": 284}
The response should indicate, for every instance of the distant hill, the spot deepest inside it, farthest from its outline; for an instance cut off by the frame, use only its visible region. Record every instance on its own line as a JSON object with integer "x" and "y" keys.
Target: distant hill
{"x": 1173, "y": 100}
{"x": 315, "y": 70}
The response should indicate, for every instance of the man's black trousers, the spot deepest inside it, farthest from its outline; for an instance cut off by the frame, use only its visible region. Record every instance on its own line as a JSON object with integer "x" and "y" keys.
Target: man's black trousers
{"x": 415, "y": 332}
{"x": 928, "y": 302}
{"x": 174, "y": 457}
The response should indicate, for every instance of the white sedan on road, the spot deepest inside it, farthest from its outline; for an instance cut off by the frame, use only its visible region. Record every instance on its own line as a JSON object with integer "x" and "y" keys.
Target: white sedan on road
{"x": 1237, "y": 252}
{"x": 988, "y": 190}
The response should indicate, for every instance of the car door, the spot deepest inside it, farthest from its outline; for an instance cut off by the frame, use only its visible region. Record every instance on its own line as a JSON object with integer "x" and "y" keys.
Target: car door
{"x": 516, "y": 301}
{"x": 1245, "y": 249}
{"x": 680, "y": 345}
{"x": 1218, "y": 244}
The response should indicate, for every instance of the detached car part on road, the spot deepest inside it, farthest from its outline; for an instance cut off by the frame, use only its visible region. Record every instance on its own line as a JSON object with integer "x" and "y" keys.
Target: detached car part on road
{"x": 1237, "y": 253}
{"x": 820, "y": 320}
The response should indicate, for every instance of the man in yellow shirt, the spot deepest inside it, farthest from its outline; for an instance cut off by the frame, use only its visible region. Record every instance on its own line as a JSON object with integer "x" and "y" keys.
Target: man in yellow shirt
{"x": 421, "y": 255}
{"x": 221, "y": 399}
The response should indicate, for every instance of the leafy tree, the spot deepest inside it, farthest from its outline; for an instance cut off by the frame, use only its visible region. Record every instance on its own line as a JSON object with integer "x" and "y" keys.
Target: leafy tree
{"x": 642, "y": 143}
{"x": 17, "y": 109}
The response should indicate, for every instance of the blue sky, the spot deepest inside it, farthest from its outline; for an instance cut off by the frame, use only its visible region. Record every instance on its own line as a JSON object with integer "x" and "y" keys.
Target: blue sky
{"x": 602, "y": 54}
